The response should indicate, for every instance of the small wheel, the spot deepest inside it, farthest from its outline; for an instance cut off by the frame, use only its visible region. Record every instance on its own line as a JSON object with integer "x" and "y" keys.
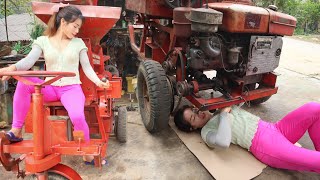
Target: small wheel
{"x": 260, "y": 100}
{"x": 113, "y": 70}
{"x": 50, "y": 176}
{"x": 59, "y": 172}
{"x": 121, "y": 124}
{"x": 56, "y": 176}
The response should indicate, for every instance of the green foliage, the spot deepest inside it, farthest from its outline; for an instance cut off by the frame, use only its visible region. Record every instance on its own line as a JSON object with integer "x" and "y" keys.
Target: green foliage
{"x": 36, "y": 31}
{"x": 15, "y": 7}
{"x": 21, "y": 49}
{"x": 307, "y": 13}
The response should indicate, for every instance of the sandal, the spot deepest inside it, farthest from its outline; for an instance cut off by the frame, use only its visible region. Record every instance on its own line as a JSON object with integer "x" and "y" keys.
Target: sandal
{"x": 13, "y": 138}
{"x": 92, "y": 162}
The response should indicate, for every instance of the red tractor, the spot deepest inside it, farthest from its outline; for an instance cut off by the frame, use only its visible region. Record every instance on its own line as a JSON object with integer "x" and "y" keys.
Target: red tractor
{"x": 53, "y": 135}
{"x": 181, "y": 40}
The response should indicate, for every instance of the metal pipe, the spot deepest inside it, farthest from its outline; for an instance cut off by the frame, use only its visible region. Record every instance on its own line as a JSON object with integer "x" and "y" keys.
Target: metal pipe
{"x": 5, "y": 19}
{"x": 208, "y": 49}
{"x": 38, "y": 123}
{"x": 181, "y": 65}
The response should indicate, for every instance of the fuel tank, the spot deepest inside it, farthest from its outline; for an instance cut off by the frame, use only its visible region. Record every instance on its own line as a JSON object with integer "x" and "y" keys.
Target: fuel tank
{"x": 241, "y": 18}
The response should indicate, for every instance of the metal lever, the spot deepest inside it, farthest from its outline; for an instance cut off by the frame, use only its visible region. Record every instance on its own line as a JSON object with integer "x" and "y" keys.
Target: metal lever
{"x": 224, "y": 92}
{"x": 104, "y": 79}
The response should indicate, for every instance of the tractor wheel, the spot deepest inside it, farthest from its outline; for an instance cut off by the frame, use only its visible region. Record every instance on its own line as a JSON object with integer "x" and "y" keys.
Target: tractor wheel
{"x": 55, "y": 176}
{"x": 260, "y": 100}
{"x": 154, "y": 96}
{"x": 121, "y": 124}
{"x": 60, "y": 172}
{"x": 50, "y": 176}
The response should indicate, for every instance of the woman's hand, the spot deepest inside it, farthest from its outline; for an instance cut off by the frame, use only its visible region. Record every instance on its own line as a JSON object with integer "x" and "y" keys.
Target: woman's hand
{"x": 102, "y": 84}
{"x": 226, "y": 109}
{"x": 7, "y": 69}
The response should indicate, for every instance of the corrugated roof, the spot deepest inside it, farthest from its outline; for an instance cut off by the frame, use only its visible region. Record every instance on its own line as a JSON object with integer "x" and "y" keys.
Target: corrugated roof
{"x": 18, "y": 27}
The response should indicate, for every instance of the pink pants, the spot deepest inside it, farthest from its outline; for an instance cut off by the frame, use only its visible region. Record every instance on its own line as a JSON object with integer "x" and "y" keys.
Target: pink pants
{"x": 71, "y": 97}
{"x": 273, "y": 144}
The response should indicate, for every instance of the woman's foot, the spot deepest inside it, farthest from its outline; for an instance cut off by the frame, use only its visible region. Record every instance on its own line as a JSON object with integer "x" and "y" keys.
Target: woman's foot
{"x": 14, "y": 135}
{"x": 17, "y": 132}
{"x": 89, "y": 160}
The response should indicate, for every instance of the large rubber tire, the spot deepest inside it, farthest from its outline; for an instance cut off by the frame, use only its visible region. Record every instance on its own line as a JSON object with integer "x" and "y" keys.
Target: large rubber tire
{"x": 121, "y": 125}
{"x": 154, "y": 96}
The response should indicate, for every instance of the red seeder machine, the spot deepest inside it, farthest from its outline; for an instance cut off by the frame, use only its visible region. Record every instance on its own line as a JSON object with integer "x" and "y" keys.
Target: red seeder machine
{"x": 53, "y": 135}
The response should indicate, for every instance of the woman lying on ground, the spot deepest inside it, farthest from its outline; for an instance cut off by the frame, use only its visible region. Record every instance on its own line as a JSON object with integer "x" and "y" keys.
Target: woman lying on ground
{"x": 271, "y": 143}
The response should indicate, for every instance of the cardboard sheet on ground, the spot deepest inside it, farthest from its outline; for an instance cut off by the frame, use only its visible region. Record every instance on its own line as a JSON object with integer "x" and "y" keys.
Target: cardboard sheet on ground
{"x": 223, "y": 164}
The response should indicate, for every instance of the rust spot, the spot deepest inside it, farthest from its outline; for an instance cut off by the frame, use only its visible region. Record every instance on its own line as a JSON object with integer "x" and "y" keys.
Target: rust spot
{"x": 252, "y": 21}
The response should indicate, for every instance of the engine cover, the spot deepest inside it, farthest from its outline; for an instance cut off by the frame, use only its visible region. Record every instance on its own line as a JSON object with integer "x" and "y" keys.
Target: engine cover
{"x": 264, "y": 54}
{"x": 240, "y": 18}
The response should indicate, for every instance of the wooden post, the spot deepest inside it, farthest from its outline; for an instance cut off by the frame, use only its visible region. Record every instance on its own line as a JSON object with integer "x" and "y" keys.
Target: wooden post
{"x": 5, "y": 104}
{"x": 6, "y": 108}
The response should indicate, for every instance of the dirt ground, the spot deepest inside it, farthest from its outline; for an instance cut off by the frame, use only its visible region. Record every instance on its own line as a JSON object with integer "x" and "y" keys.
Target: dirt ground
{"x": 314, "y": 38}
{"x": 164, "y": 156}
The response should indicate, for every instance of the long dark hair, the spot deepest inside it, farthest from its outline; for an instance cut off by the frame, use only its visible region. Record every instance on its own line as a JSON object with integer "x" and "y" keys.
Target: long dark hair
{"x": 180, "y": 122}
{"x": 68, "y": 13}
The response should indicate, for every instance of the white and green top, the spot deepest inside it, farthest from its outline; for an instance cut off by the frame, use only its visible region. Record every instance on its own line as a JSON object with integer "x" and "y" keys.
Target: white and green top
{"x": 64, "y": 61}
{"x": 237, "y": 127}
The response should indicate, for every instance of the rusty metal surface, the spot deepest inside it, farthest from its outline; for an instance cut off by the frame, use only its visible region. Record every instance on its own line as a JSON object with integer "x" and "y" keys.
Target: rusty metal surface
{"x": 80, "y": 2}
{"x": 240, "y": 18}
{"x": 157, "y": 8}
{"x": 98, "y": 19}
{"x": 281, "y": 24}
{"x": 247, "y": 2}
{"x": 206, "y": 16}
{"x": 244, "y": 18}
{"x": 220, "y": 102}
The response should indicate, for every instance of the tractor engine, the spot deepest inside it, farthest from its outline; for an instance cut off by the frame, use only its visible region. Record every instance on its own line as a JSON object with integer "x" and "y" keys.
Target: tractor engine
{"x": 235, "y": 40}
{"x": 242, "y": 55}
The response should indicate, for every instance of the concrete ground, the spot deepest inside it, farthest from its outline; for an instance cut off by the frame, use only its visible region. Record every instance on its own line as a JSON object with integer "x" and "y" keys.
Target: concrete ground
{"x": 164, "y": 156}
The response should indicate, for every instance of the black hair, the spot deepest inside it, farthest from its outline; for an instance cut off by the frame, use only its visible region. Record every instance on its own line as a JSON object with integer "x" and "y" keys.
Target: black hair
{"x": 179, "y": 120}
{"x": 68, "y": 13}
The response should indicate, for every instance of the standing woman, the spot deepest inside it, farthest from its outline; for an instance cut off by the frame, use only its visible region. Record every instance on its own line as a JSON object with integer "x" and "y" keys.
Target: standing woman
{"x": 62, "y": 51}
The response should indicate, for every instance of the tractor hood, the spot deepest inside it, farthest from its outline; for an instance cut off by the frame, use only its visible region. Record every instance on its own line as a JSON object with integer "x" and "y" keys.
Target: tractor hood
{"x": 240, "y": 18}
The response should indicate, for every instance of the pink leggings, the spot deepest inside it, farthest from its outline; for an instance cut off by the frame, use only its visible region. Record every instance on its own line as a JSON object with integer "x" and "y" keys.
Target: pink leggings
{"x": 71, "y": 97}
{"x": 273, "y": 144}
